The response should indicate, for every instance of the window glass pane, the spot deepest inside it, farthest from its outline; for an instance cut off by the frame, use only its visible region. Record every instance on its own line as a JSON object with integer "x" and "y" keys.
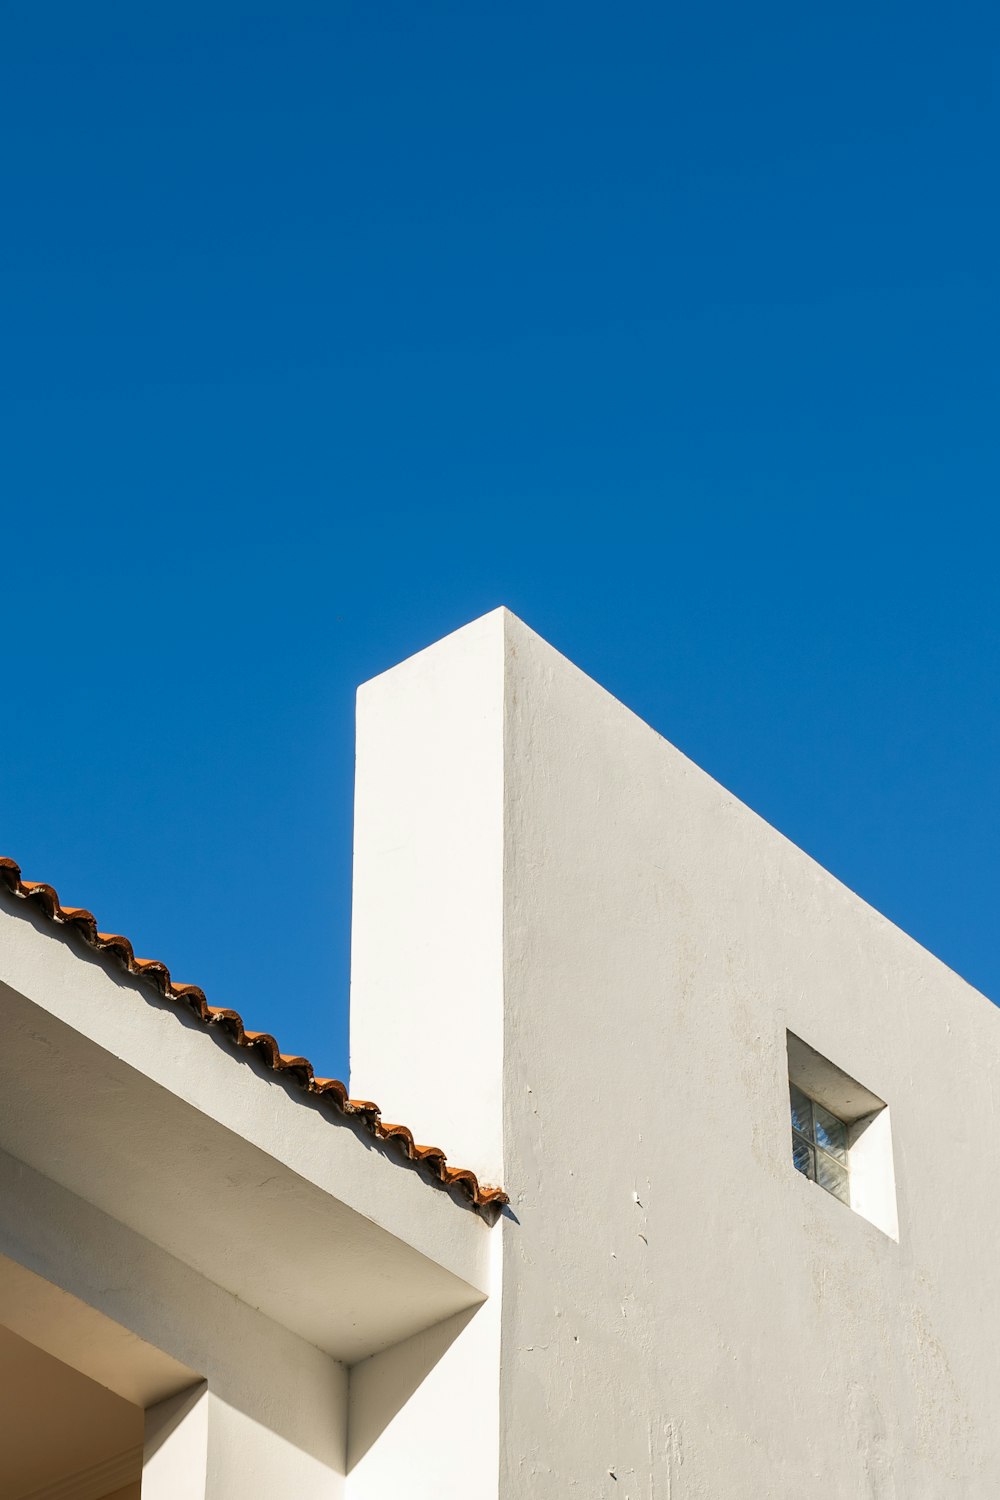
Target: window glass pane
{"x": 832, "y": 1177}
{"x": 804, "y": 1157}
{"x": 801, "y": 1112}
{"x": 831, "y": 1133}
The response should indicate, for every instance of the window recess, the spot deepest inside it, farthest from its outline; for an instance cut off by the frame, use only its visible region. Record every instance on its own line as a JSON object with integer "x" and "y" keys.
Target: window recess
{"x": 840, "y": 1136}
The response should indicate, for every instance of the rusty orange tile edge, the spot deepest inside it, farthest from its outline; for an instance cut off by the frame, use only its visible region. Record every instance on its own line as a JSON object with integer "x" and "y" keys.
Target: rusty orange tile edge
{"x": 329, "y": 1089}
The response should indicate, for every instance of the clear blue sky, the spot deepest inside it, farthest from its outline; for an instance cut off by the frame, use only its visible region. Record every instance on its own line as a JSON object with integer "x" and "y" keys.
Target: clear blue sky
{"x": 328, "y": 327}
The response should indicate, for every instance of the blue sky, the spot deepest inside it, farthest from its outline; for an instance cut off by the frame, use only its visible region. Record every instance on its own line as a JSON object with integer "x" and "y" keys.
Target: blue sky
{"x": 327, "y": 328}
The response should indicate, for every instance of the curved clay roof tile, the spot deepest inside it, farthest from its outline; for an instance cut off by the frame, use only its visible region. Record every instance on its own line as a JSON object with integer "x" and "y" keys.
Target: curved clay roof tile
{"x": 261, "y": 1042}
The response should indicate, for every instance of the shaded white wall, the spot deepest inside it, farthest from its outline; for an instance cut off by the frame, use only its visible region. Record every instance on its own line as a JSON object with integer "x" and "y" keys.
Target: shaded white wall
{"x": 424, "y": 1415}
{"x": 274, "y": 1418}
{"x": 58, "y": 1424}
{"x": 682, "y": 1314}
{"x": 252, "y": 1183}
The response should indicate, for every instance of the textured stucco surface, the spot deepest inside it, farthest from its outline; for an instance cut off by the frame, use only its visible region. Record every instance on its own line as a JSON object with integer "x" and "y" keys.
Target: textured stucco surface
{"x": 683, "y": 1317}
{"x": 683, "y": 1314}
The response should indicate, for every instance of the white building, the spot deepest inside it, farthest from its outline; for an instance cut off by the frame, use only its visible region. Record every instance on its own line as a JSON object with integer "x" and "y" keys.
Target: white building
{"x": 590, "y": 975}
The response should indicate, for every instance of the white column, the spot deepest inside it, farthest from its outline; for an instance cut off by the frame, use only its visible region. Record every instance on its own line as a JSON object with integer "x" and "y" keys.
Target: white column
{"x": 427, "y": 1029}
{"x": 427, "y": 940}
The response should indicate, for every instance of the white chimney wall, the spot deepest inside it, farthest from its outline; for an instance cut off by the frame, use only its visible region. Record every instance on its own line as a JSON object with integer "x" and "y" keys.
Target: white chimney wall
{"x": 427, "y": 928}
{"x": 578, "y": 962}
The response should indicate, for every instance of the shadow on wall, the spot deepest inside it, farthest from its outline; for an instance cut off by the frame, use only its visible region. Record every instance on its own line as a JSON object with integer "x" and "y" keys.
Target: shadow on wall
{"x": 381, "y": 1385}
{"x": 166, "y": 1421}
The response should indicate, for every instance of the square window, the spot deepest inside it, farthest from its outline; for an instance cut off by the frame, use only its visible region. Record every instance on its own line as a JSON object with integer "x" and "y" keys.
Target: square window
{"x": 830, "y": 1132}
{"x": 802, "y": 1112}
{"x": 819, "y": 1144}
{"x": 803, "y": 1156}
{"x": 840, "y": 1136}
{"x": 832, "y": 1176}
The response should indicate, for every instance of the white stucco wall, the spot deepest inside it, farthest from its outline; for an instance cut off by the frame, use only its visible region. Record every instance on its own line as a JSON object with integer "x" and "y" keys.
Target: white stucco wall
{"x": 175, "y": 1458}
{"x": 274, "y": 1418}
{"x": 682, "y": 1314}
{"x": 427, "y": 928}
{"x": 132, "y": 1104}
{"x": 427, "y": 1029}
{"x": 424, "y": 1416}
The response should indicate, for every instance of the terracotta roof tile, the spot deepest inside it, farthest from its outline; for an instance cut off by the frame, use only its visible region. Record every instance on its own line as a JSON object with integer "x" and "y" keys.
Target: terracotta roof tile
{"x": 231, "y": 1022}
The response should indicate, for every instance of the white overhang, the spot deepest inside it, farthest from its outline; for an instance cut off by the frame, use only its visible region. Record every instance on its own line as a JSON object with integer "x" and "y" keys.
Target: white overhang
{"x": 133, "y": 1105}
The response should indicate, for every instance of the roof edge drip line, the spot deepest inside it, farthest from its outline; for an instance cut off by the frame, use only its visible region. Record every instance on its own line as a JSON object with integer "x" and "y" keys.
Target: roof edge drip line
{"x": 76, "y": 918}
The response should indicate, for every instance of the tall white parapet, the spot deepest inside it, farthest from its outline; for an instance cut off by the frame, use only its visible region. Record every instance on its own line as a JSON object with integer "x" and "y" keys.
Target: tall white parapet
{"x": 748, "y": 1127}
{"x": 427, "y": 935}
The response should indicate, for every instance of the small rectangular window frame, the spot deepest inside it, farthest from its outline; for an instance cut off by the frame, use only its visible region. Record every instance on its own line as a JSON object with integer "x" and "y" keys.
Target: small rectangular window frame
{"x": 871, "y": 1173}
{"x": 817, "y": 1152}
